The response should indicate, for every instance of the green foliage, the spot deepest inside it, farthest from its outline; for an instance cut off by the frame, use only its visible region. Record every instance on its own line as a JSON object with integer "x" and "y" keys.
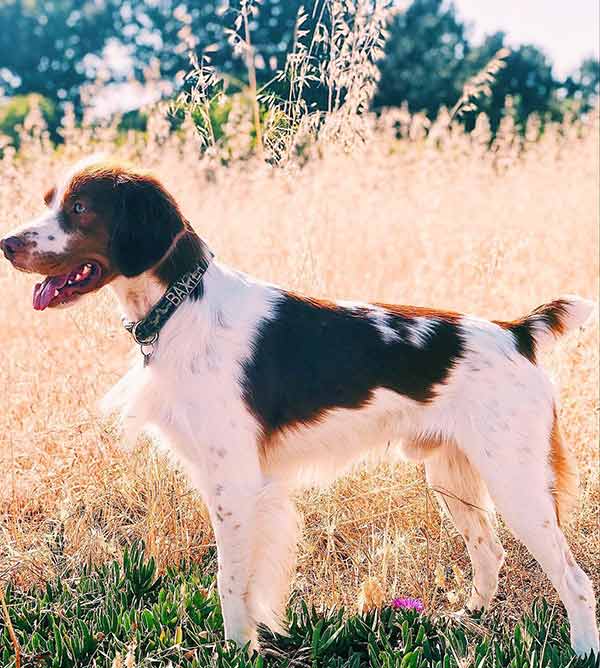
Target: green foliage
{"x": 423, "y": 63}
{"x": 526, "y": 77}
{"x": 134, "y": 120}
{"x": 14, "y": 111}
{"x": 44, "y": 45}
{"x": 584, "y": 85}
{"x": 207, "y": 24}
{"x": 89, "y": 617}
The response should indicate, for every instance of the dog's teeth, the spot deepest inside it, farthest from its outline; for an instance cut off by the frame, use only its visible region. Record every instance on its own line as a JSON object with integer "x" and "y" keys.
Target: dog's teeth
{"x": 56, "y": 293}
{"x": 70, "y": 282}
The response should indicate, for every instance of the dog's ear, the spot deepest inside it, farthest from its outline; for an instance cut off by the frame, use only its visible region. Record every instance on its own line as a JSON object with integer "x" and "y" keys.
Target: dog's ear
{"x": 146, "y": 220}
{"x": 49, "y": 196}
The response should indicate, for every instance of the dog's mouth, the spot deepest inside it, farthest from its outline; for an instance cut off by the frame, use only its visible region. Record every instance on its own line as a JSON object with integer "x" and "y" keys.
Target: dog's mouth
{"x": 66, "y": 288}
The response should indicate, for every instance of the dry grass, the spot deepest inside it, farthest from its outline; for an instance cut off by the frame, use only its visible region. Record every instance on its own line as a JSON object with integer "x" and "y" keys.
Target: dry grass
{"x": 437, "y": 222}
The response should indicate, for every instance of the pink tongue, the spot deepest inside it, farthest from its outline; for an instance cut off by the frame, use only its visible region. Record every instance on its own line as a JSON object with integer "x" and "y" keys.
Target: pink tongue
{"x": 44, "y": 291}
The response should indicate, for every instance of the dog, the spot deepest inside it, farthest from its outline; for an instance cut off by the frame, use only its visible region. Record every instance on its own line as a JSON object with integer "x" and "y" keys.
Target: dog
{"x": 257, "y": 390}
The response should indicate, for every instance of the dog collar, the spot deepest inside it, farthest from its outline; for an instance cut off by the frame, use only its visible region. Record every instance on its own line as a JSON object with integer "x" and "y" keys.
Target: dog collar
{"x": 145, "y": 331}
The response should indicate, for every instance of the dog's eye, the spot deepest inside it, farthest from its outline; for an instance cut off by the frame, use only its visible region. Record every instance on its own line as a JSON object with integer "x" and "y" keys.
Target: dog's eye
{"x": 78, "y": 207}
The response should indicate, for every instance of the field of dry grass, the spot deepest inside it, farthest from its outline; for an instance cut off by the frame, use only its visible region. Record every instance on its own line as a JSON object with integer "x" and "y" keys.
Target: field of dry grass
{"x": 442, "y": 223}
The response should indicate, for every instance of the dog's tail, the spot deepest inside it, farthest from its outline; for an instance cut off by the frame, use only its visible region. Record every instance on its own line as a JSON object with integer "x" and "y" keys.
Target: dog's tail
{"x": 545, "y": 324}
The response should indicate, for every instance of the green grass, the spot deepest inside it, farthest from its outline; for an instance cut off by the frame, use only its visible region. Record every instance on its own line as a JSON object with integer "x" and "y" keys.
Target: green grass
{"x": 87, "y": 618}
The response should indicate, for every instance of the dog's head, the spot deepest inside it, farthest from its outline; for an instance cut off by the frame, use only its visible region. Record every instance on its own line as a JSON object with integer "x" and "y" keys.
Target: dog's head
{"x": 103, "y": 221}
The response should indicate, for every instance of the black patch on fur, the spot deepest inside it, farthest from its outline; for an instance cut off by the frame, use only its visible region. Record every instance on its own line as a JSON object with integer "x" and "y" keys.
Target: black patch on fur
{"x": 524, "y": 340}
{"x": 147, "y": 220}
{"x": 314, "y": 356}
{"x": 549, "y": 316}
{"x": 148, "y": 223}
{"x": 186, "y": 255}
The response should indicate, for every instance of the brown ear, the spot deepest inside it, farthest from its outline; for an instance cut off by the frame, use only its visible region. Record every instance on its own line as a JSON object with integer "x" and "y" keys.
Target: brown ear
{"x": 146, "y": 221}
{"x": 49, "y": 196}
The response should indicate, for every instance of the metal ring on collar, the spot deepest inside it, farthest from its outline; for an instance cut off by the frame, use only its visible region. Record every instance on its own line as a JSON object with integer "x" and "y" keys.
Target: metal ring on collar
{"x": 148, "y": 341}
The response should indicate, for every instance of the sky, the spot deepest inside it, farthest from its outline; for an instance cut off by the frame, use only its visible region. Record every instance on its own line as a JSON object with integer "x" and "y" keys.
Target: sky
{"x": 567, "y": 30}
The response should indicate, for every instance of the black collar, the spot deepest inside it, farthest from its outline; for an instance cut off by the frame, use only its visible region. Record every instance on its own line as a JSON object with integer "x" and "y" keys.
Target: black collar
{"x": 145, "y": 331}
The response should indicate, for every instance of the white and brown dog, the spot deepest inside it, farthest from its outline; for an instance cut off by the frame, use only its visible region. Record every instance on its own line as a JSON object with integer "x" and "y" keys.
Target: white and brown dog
{"x": 257, "y": 389}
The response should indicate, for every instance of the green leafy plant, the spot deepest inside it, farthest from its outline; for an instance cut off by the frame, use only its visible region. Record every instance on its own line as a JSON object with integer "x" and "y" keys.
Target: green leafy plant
{"x": 125, "y": 610}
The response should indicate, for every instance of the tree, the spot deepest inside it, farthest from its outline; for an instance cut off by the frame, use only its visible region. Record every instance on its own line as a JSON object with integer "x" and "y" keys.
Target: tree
{"x": 584, "y": 85}
{"x": 167, "y": 30}
{"x": 527, "y": 78}
{"x": 423, "y": 60}
{"x": 45, "y": 46}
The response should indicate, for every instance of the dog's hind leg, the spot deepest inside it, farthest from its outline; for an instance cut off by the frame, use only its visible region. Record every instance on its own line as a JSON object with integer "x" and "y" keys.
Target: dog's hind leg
{"x": 463, "y": 496}
{"x": 530, "y": 482}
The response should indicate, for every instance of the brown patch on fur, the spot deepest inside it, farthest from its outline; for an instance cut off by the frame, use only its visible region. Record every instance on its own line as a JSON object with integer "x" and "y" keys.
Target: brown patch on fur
{"x": 552, "y": 315}
{"x": 419, "y": 312}
{"x": 86, "y": 243}
{"x": 49, "y": 195}
{"x": 142, "y": 217}
{"x": 565, "y": 485}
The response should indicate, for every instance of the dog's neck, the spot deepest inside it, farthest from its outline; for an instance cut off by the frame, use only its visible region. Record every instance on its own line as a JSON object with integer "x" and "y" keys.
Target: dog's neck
{"x": 137, "y": 295}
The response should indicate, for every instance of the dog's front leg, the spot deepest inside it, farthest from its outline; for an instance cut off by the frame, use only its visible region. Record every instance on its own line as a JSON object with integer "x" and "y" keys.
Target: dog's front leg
{"x": 233, "y": 513}
{"x": 230, "y": 479}
{"x": 222, "y": 458}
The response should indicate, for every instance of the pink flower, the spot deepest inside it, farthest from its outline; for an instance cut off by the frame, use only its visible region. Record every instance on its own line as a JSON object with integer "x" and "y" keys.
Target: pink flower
{"x": 408, "y": 604}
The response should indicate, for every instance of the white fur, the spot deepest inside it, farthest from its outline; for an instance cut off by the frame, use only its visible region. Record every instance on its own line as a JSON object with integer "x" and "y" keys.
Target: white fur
{"x": 421, "y": 331}
{"x": 316, "y": 454}
{"x": 495, "y": 412}
{"x": 381, "y": 320}
{"x": 378, "y": 316}
{"x": 45, "y": 234}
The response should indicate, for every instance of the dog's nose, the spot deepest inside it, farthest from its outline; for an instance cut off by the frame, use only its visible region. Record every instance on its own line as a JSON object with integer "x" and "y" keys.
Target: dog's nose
{"x": 11, "y": 246}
